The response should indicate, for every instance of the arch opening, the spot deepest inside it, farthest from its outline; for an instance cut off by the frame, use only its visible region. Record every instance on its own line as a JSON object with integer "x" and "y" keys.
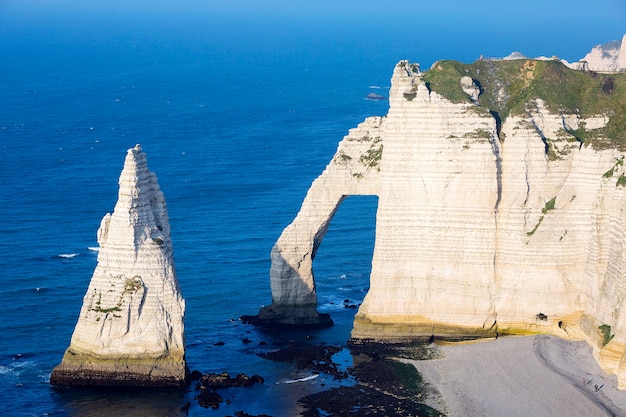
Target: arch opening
{"x": 343, "y": 262}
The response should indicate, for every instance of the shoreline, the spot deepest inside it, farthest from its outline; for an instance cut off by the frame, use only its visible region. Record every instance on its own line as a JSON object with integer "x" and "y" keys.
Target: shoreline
{"x": 520, "y": 376}
{"x": 513, "y": 376}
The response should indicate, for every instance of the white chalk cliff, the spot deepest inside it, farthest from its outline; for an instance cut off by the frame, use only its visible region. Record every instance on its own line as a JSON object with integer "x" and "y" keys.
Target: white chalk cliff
{"x": 610, "y": 57}
{"x": 606, "y": 58}
{"x": 484, "y": 226}
{"x": 130, "y": 330}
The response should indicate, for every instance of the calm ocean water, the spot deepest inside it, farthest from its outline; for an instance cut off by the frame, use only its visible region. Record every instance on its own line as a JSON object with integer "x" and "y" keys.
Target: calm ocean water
{"x": 237, "y": 119}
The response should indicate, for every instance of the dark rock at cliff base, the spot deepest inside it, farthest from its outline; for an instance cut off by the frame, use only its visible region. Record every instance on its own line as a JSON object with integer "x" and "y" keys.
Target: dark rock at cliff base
{"x": 420, "y": 348}
{"x": 243, "y": 414}
{"x": 224, "y": 380}
{"x": 317, "y": 358}
{"x": 322, "y": 321}
{"x": 116, "y": 378}
{"x": 383, "y": 387}
{"x": 289, "y": 316}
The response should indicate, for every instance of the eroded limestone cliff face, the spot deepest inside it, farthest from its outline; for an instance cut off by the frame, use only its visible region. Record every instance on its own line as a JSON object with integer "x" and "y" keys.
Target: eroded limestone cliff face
{"x": 487, "y": 224}
{"x": 130, "y": 330}
{"x": 353, "y": 170}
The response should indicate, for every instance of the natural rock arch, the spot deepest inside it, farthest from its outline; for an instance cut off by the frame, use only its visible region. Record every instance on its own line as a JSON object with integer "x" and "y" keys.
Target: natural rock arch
{"x": 353, "y": 171}
{"x": 483, "y": 227}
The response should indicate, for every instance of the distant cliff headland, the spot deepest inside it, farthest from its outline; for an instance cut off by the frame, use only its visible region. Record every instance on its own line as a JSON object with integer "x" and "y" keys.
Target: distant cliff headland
{"x": 501, "y": 193}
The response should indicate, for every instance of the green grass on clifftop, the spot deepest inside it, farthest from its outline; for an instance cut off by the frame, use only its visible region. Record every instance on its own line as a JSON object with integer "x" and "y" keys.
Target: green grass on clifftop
{"x": 507, "y": 87}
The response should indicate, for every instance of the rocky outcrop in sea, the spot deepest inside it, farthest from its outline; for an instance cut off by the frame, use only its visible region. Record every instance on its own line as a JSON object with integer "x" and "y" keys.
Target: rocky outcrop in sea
{"x": 130, "y": 330}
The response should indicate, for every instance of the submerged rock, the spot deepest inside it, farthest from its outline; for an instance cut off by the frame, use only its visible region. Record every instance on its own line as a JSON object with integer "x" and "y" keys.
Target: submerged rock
{"x": 207, "y": 396}
{"x": 130, "y": 331}
{"x": 317, "y": 358}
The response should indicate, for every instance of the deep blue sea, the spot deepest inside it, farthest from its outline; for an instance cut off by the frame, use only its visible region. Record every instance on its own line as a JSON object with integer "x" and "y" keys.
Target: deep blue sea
{"x": 237, "y": 118}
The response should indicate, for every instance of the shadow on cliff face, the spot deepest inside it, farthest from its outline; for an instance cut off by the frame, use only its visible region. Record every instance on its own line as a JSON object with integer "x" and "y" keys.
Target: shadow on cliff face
{"x": 341, "y": 267}
{"x": 278, "y": 316}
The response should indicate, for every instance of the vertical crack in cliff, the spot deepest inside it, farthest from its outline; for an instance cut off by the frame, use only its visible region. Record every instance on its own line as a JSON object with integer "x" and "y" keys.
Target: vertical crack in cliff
{"x": 495, "y": 149}
{"x": 572, "y": 132}
{"x": 541, "y": 135}
{"x": 526, "y": 165}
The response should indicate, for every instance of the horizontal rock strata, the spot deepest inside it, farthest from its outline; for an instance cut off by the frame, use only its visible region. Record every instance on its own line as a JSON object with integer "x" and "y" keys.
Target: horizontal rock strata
{"x": 353, "y": 170}
{"x": 130, "y": 330}
{"x": 484, "y": 226}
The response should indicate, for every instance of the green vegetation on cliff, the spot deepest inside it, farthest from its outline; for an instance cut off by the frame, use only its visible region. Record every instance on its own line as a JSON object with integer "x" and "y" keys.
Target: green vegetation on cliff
{"x": 508, "y": 86}
{"x": 606, "y": 334}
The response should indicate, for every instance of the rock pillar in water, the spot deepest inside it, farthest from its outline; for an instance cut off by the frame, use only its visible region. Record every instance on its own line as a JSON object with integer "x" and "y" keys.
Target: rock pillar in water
{"x": 130, "y": 331}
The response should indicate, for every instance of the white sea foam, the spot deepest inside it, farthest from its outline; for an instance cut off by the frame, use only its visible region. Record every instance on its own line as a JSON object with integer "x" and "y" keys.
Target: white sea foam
{"x": 337, "y": 303}
{"x": 292, "y": 381}
{"x": 331, "y": 307}
{"x": 68, "y": 255}
{"x": 18, "y": 365}
{"x": 374, "y": 86}
{"x": 17, "y": 368}
{"x": 94, "y": 248}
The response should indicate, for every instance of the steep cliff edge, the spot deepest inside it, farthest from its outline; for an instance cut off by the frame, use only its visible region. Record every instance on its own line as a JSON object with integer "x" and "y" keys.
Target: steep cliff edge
{"x": 501, "y": 189}
{"x": 130, "y": 330}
